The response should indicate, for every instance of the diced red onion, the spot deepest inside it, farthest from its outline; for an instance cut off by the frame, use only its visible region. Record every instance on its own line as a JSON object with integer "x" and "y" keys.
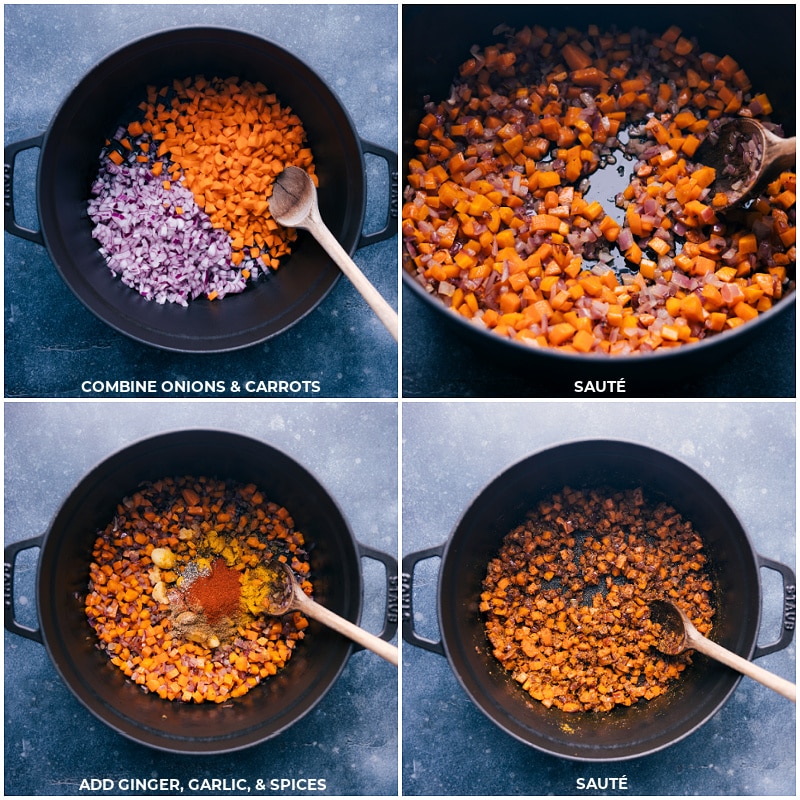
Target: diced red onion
{"x": 166, "y": 255}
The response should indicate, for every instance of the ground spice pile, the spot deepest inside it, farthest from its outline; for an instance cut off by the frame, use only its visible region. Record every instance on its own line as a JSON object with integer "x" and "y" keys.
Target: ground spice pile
{"x": 177, "y": 582}
{"x": 566, "y": 599}
{"x": 218, "y": 594}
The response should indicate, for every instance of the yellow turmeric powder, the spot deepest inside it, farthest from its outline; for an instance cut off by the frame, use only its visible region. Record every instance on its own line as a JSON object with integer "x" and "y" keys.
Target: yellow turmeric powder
{"x": 259, "y": 586}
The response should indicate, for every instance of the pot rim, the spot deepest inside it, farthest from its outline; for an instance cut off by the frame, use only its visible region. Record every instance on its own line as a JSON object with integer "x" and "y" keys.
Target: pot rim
{"x": 446, "y": 71}
{"x": 587, "y": 440}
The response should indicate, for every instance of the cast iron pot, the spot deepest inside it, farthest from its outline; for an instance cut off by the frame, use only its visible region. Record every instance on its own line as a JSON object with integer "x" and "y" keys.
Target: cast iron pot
{"x": 624, "y": 732}
{"x": 107, "y": 96}
{"x": 62, "y": 574}
{"x": 430, "y": 64}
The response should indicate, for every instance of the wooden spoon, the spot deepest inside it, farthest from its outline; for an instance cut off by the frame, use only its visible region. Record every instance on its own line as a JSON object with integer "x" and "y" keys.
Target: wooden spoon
{"x": 287, "y": 595}
{"x": 678, "y": 634}
{"x": 772, "y": 155}
{"x": 294, "y": 205}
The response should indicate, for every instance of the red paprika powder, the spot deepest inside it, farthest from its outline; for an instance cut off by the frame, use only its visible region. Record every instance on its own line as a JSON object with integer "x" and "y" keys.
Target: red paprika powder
{"x": 219, "y": 593}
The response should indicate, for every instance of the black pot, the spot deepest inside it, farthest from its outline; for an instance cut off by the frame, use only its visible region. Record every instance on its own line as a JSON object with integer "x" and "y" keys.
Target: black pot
{"x": 107, "y": 96}
{"x": 430, "y": 64}
{"x": 624, "y": 732}
{"x": 62, "y": 577}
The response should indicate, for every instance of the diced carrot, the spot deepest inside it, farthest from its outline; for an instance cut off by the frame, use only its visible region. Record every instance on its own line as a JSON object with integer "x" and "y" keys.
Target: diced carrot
{"x": 727, "y": 66}
{"x": 748, "y": 244}
{"x": 509, "y": 302}
{"x": 583, "y": 341}
{"x": 560, "y": 333}
{"x": 544, "y": 222}
{"x": 745, "y": 311}
{"x": 575, "y": 56}
{"x": 546, "y": 179}
{"x": 589, "y": 76}
{"x": 692, "y": 308}
{"x": 661, "y": 246}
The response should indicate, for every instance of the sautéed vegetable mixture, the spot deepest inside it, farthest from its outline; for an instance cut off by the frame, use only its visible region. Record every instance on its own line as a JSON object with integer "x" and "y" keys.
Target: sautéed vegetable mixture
{"x": 496, "y": 220}
{"x": 565, "y": 600}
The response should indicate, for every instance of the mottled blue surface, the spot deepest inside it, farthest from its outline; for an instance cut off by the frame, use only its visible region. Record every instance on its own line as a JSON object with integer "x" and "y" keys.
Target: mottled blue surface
{"x": 452, "y": 450}
{"x": 349, "y": 740}
{"x": 53, "y": 342}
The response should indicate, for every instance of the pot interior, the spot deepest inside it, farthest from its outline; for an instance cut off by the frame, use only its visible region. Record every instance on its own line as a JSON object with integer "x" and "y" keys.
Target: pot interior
{"x": 271, "y": 706}
{"x": 107, "y": 96}
{"x": 430, "y": 64}
{"x": 624, "y": 732}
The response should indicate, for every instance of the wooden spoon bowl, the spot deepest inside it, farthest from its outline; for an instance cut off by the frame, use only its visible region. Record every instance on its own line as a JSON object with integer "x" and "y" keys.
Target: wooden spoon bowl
{"x": 293, "y": 204}
{"x": 286, "y": 595}
{"x": 679, "y": 634}
{"x": 745, "y": 155}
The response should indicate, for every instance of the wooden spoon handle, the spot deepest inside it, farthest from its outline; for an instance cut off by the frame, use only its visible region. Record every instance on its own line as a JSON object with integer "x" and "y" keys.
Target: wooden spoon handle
{"x": 347, "y": 628}
{"x": 770, "y": 680}
{"x": 781, "y": 153}
{"x": 384, "y": 311}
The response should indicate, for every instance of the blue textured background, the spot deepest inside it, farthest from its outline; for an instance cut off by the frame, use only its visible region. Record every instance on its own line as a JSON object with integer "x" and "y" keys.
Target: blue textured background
{"x": 349, "y": 739}
{"x": 52, "y": 342}
{"x": 452, "y": 450}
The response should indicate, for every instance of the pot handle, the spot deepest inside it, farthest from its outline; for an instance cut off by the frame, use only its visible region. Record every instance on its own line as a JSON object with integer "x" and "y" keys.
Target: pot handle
{"x": 390, "y": 614}
{"x": 789, "y": 607}
{"x": 390, "y": 228}
{"x": 11, "y": 551}
{"x": 11, "y": 152}
{"x": 409, "y": 634}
